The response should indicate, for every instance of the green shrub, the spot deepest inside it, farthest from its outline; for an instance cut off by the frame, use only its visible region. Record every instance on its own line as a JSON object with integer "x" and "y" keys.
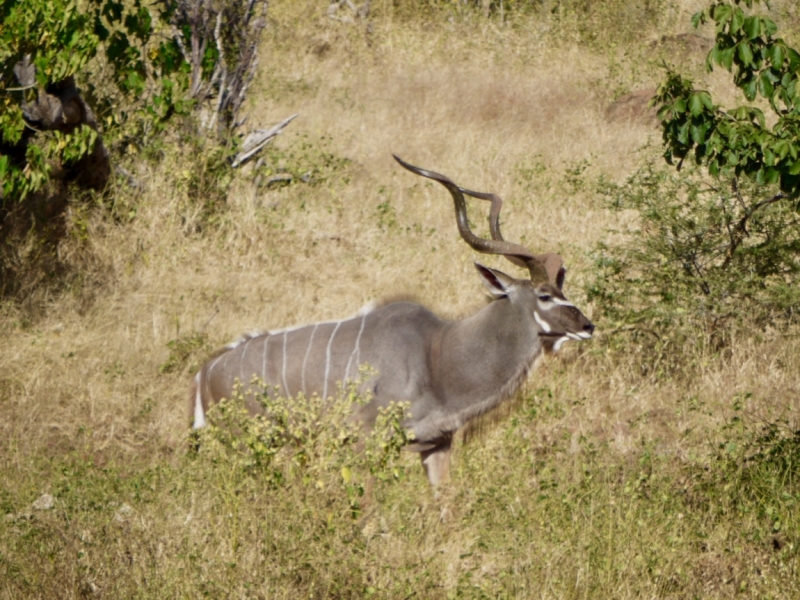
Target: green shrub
{"x": 306, "y": 441}
{"x": 716, "y": 245}
{"x": 698, "y": 258}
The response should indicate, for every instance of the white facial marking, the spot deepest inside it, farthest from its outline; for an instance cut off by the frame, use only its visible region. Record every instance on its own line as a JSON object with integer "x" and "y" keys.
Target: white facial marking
{"x": 585, "y": 335}
{"x": 308, "y": 350}
{"x": 573, "y": 336}
{"x": 561, "y": 302}
{"x": 328, "y": 361}
{"x": 199, "y": 415}
{"x": 542, "y": 323}
{"x": 560, "y": 342}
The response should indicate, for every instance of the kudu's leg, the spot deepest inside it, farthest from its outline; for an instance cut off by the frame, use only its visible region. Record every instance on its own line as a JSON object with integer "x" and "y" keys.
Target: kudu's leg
{"x": 436, "y": 462}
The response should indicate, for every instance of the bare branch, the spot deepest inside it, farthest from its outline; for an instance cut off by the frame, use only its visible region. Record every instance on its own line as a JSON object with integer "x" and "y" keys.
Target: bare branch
{"x": 255, "y": 141}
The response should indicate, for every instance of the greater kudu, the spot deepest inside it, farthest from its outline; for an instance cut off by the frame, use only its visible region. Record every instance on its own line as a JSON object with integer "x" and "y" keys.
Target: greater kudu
{"x": 449, "y": 371}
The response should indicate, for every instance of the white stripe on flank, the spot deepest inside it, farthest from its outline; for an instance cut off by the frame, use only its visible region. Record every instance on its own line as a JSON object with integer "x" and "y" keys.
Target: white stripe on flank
{"x": 199, "y": 416}
{"x": 355, "y": 348}
{"x": 308, "y": 351}
{"x": 358, "y": 340}
{"x": 283, "y": 372}
{"x": 542, "y": 323}
{"x": 367, "y": 308}
{"x": 241, "y": 364}
{"x": 328, "y": 361}
{"x": 208, "y": 374}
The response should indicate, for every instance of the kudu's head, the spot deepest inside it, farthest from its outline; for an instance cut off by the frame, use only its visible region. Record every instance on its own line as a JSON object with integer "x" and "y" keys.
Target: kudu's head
{"x": 540, "y": 297}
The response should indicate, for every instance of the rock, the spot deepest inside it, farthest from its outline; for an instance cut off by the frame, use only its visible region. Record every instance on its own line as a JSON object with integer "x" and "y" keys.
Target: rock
{"x": 44, "y": 502}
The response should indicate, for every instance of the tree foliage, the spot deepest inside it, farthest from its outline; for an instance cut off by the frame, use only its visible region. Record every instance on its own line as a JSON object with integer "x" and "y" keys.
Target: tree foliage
{"x": 738, "y": 142}
{"x": 699, "y": 258}
{"x": 717, "y": 244}
{"x": 163, "y": 59}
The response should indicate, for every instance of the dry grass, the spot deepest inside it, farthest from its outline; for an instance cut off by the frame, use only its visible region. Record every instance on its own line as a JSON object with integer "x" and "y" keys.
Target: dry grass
{"x": 87, "y": 415}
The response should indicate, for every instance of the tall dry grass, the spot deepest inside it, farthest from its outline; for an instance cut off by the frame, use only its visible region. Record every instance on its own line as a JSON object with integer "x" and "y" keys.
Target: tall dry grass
{"x": 92, "y": 389}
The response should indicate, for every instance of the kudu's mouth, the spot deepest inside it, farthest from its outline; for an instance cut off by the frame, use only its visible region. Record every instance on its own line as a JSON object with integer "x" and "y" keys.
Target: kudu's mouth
{"x": 561, "y": 338}
{"x": 583, "y": 335}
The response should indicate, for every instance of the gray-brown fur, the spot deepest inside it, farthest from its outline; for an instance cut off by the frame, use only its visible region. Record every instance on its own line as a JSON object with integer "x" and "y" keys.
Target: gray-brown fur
{"x": 448, "y": 371}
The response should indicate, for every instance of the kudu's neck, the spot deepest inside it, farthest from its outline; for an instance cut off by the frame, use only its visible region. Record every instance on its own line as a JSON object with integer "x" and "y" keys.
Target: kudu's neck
{"x": 484, "y": 358}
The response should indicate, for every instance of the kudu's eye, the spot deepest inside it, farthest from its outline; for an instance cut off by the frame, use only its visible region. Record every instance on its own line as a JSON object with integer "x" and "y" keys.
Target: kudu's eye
{"x": 545, "y": 298}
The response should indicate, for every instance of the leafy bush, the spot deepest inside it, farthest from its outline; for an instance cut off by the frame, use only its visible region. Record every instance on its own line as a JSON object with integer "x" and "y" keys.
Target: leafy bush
{"x": 701, "y": 256}
{"x": 718, "y": 244}
{"x": 46, "y": 45}
{"x": 306, "y": 440}
{"x": 163, "y": 60}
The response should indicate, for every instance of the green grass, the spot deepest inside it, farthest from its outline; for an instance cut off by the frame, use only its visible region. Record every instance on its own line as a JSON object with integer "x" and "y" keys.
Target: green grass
{"x": 569, "y": 518}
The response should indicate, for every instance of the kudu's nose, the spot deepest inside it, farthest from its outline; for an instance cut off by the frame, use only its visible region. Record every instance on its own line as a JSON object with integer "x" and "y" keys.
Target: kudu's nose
{"x": 589, "y": 328}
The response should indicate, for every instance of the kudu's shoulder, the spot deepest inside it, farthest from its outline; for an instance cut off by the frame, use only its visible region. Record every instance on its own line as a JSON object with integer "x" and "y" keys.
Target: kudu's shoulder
{"x": 410, "y": 311}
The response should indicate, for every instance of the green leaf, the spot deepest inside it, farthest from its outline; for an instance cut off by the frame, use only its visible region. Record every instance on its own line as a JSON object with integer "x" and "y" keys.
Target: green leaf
{"x": 776, "y": 55}
{"x": 782, "y": 148}
{"x": 794, "y": 58}
{"x": 752, "y": 27}
{"x": 749, "y": 89}
{"x": 695, "y": 104}
{"x": 698, "y": 133}
{"x": 737, "y": 20}
{"x": 765, "y": 87}
{"x": 683, "y": 134}
{"x": 705, "y": 98}
{"x": 795, "y": 168}
{"x": 680, "y": 105}
{"x": 758, "y": 115}
{"x": 772, "y": 75}
{"x": 727, "y": 57}
{"x": 745, "y": 53}
{"x": 721, "y": 13}
{"x": 697, "y": 19}
{"x": 772, "y": 176}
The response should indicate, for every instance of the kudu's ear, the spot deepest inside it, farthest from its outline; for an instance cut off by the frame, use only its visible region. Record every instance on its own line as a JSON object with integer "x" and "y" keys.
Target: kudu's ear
{"x": 498, "y": 283}
{"x": 562, "y": 274}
